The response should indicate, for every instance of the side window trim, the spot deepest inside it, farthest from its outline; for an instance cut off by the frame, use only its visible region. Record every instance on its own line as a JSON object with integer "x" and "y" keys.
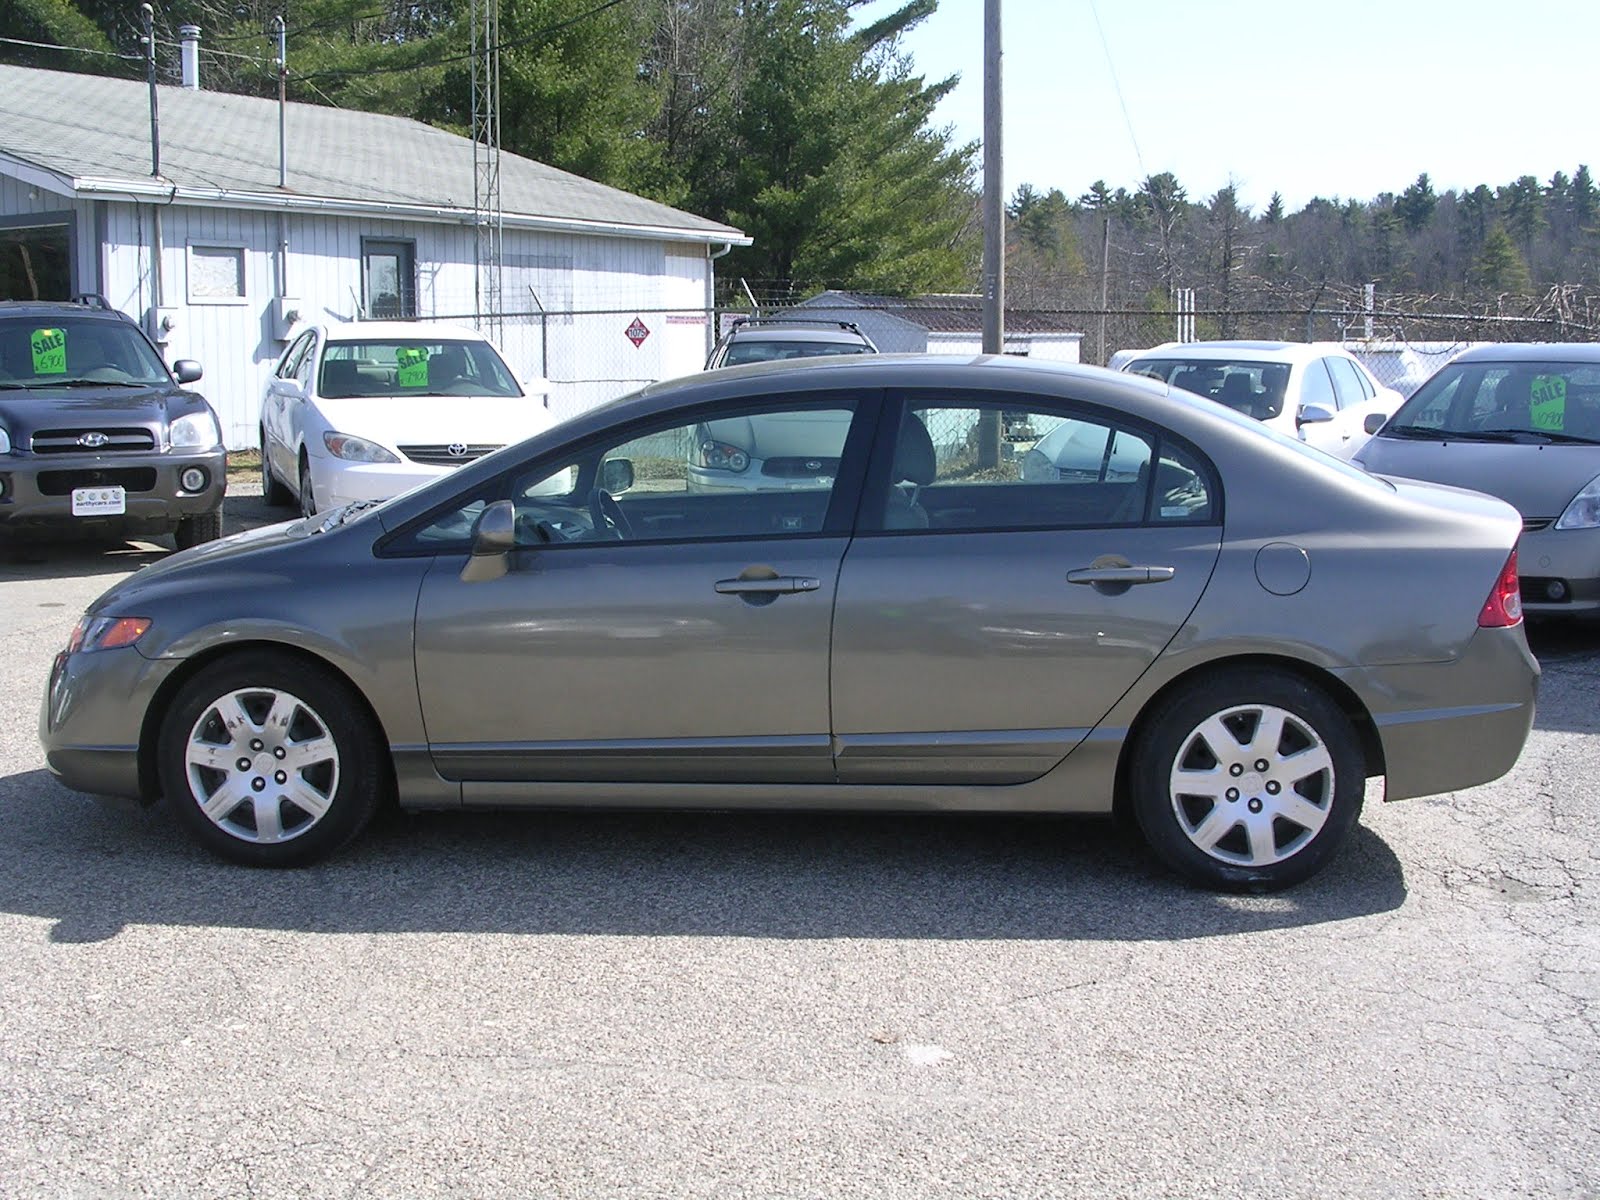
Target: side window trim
{"x": 838, "y": 521}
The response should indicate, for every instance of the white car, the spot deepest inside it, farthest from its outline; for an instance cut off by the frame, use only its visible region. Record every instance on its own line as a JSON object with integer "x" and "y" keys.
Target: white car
{"x": 1315, "y": 391}
{"x": 369, "y": 409}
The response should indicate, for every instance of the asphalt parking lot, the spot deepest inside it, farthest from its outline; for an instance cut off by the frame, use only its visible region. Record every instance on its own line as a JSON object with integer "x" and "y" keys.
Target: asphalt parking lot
{"x": 764, "y": 1006}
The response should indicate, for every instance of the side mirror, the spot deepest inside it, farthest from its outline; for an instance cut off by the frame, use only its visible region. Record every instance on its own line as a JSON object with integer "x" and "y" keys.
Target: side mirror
{"x": 1374, "y": 422}
{"x": 186, "y": 370}
{"x": 1313, "y": 414}
{"x": 493, "y": 536}
{"x": 616, "y": 475}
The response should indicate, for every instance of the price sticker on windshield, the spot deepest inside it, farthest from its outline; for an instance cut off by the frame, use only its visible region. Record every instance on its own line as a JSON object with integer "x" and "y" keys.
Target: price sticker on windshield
{"x": 413, "y": 364}
{"x": 1548, "y": 402}
{"x": 49, "y": 351}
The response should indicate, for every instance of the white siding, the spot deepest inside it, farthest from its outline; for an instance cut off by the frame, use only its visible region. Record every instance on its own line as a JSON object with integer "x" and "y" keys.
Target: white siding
{"x": 590, "y": 289}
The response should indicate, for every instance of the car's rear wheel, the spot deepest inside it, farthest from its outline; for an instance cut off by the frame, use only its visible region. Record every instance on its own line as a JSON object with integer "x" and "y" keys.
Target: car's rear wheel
{"x": 1247, "y": 780}
{"x": 270, "y": 761}
{"x": 198, "y": 529}
{"x": 273, "y": 493}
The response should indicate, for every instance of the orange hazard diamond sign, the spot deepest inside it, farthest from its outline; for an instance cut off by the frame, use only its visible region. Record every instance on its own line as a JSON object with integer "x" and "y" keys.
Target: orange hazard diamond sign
{"x": 637, "y": 332}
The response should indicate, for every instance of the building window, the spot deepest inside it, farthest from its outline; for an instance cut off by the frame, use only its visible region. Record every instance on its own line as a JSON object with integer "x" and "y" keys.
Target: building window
{"x": 35, "y": 260}
{"x": 389, "y": 279}
{"x": 216, "y": 275}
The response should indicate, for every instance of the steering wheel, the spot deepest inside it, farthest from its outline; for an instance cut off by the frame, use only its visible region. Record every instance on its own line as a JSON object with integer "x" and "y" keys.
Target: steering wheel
{"x": 607, "y": 515}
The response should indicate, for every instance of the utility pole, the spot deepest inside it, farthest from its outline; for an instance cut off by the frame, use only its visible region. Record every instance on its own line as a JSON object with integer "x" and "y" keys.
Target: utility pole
{"x": 282, "y": 32}
{"x": 994, "y": 225}
{"x": 486, "y": 210}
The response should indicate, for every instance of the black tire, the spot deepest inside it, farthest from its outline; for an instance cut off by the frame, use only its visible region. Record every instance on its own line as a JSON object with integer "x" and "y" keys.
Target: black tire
{"x": 1231, "y": 825}
{"x": 263, "y": 803}
{"x": 273, "y": 493}
{"x": 308, "y": 497}
{"x": 198, "y": 529}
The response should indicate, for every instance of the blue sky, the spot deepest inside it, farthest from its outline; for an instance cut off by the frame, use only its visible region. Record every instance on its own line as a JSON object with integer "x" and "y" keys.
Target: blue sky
{"x": 1345, "y": 100}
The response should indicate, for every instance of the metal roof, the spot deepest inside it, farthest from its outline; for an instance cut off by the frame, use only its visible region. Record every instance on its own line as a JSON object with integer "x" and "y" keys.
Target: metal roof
{"x": 91, "y": 133}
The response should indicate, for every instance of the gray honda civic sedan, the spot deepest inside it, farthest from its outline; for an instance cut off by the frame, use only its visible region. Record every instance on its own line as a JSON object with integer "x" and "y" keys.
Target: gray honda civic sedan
{"x": 1223, "y": 633}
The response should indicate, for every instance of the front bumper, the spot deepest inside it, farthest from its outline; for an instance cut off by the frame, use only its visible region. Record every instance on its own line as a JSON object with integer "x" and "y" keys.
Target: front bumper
{"x": 337, "y": 483}
{"x": 1433, "y": 745}
{"x": 1568, "y": 557}
{"x": 36, "y": 492}
{"x": 93, "y": 715}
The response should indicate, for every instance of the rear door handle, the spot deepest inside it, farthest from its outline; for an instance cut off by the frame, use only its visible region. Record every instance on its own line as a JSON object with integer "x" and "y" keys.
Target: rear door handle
{"x": 1126, "y": 576}
{"x": 780, "y": 586}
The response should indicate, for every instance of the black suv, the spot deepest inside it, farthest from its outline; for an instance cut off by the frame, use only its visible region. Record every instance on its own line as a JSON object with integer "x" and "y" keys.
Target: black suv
{"x": 763, "y": 339}
{"x": 97, "y": 437}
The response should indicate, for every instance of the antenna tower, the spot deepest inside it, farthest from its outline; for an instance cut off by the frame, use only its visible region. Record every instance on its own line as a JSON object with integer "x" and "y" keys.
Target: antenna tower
{"x": 487, "y": 217}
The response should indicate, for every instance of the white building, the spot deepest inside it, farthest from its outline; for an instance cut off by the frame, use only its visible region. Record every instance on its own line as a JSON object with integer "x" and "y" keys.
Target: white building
{"x": 376, "y": 219}
{"x": 946, "y": 323}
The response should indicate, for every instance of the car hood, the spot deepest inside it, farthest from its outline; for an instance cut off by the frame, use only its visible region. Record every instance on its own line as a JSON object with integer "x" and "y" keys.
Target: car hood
{"x": 89, "y": 407}
{"x": 1539, "y": 480}
{"x": 433, "y": 420}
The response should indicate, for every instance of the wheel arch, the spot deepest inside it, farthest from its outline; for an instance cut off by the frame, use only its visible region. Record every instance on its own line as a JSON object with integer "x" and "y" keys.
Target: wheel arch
{"x": 155, "y": 712}
{"x": 1330, "y": 685}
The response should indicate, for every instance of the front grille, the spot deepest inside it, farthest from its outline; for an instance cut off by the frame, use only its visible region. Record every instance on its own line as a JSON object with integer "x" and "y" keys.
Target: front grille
{"x": 444, "y": 454}
{"x": 69, "y": 441}
{"x": 129, "y": 479}
{"x": 800, "y": 468}
{"x": 1534, "y": 524}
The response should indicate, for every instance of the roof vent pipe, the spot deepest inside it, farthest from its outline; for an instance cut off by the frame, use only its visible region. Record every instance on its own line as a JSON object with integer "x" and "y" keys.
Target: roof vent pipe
{"x": 190, "y": 51}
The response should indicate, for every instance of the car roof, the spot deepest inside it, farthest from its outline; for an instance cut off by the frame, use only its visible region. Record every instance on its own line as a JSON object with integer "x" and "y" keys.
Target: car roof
{"x": 1583, "y": 352}
{"x": 1229, "y": 351}
{"x": 62, "y": 308}
{"x": 361, "y": 331}
{"x": 794, "y": 331}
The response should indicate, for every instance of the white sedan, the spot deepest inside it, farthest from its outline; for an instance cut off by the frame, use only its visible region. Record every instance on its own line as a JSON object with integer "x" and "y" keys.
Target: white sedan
{"x": 1315, "y": 391}
{"x": 370, "y": 409}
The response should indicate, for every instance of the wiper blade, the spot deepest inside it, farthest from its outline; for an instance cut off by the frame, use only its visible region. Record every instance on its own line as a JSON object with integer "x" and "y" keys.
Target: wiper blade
{"x": 1432, "y": 433}
{"x": 89, "y": 383}
{"x": 340, "y": 515}
{"x": 1556, "y": 435}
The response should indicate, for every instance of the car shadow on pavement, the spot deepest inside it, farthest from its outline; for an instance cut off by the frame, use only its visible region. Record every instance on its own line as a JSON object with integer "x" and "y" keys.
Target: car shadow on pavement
{"x": 1569, "y": 689}
{"x": 96, "y": 866}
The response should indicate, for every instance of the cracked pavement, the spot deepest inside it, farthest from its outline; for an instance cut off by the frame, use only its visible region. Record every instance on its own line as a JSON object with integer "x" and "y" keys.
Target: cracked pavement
{"x": 765, "y": 1006}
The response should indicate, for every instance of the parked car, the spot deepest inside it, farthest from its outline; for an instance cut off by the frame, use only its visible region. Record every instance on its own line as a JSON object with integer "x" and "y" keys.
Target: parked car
{"x": 923, "y": 630}
{"x": 365, "y": 410}
{"x": 98, "y": 438}
{"x": 1316, "y": 391}
{"x": 768, "y": 339}
{"x": 1521, "y": 423}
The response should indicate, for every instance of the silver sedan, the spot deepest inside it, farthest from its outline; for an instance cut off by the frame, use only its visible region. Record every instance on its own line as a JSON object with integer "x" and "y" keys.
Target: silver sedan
{"x": 1224, "y": 638}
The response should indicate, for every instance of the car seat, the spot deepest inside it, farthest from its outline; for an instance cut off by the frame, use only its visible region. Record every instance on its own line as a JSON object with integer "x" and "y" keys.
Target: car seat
{"x": 915, "y": 466}
{"x": 1239, "y": 394}
{"x": 447, "y": 366}
{"x": 341, "y": 377}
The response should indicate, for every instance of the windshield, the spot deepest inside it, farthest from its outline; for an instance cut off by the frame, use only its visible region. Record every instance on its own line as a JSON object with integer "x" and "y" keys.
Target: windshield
{"x": 771, "y": 351}
{"x": 1503, "y": 401}
{"x": 414, "y": 367}
{"x": 69, "y": 350}
{"x": 1252, "y": 388}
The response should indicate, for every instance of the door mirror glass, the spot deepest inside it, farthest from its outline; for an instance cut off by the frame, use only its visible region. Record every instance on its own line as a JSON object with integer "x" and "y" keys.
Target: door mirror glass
{"x": 616, "y": 475}
{"x": 1374, "y": 422}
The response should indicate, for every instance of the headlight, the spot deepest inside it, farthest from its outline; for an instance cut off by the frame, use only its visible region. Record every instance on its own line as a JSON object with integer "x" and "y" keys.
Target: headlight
{"x": 197, "y": 431}
{"x": 5, "y": 441}
{"x": 106, "y": 633}
{"x": 719, "y": 456}
{"x": 1584, "y": 511}
{"x": 354, "y": 449}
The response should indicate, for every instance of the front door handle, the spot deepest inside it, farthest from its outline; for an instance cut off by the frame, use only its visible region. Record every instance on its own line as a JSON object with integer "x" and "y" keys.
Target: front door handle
{"x": 780, "y": 585}
{"x": 1124, "y": 576}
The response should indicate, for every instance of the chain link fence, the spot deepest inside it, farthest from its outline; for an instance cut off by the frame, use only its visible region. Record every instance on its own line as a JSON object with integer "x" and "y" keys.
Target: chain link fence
{"x": 592, "y": 356}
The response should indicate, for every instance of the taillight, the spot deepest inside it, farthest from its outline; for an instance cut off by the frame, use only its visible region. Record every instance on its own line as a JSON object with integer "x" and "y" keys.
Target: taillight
{"x": 1504, "y": 605}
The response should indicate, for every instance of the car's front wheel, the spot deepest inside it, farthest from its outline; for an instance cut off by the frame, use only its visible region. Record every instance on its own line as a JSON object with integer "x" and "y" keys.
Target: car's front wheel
{"x": 1247, "y": 780}
{"x": 308, "y": 496}
{"x": 198, "y": 529}
{"x": 273, "y": 493}
{"x": 270, "y": 760}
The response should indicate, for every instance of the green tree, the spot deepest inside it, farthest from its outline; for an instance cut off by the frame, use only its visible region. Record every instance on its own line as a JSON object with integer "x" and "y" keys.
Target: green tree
{"x": 1416, "y": 204}
{"x": 1499, "y": 267}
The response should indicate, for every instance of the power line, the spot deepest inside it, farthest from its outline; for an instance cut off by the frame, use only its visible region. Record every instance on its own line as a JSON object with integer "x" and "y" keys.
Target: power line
{"x": 1116, "y": 86}
{"x": 73, "y": 49}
